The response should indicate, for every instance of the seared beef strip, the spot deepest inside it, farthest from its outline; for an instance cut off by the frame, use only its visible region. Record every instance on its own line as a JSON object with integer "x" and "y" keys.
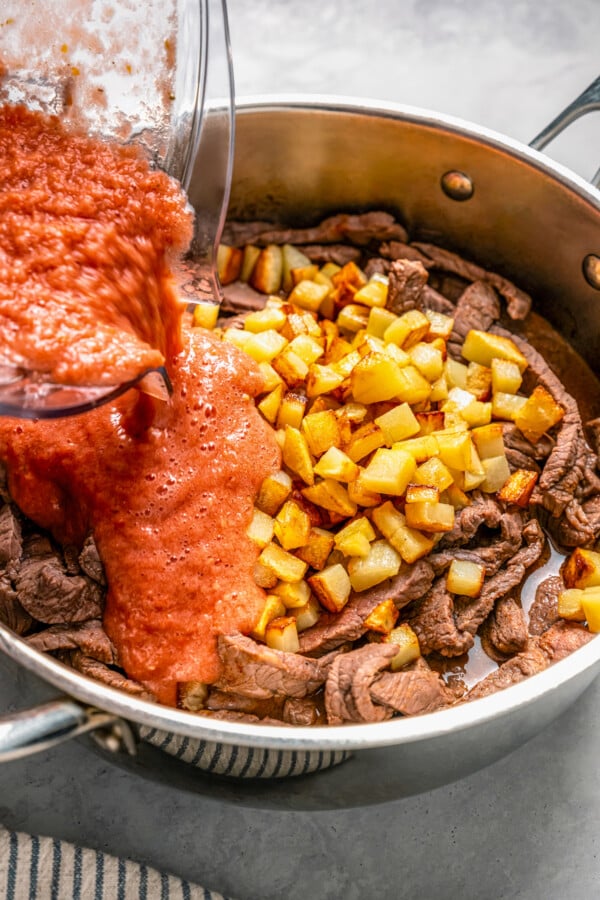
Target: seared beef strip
{"x": 477, "y": 308}
{"x": 411, "y": 691}
{"x": 358, "y": 229}
{"x": 11, "y": 544}
{"x": 11, "y": 611}
{"x": 432, "y": 620}
{"x": 89, "y": 637}
{"x": 543, "y": 612}
{"x": 50, "y": 595}
{"x": 504, "y": 632}
{"x": 100, "y": 672}
{"x": 406, "y": 282}
{"x": 347, "y": 690}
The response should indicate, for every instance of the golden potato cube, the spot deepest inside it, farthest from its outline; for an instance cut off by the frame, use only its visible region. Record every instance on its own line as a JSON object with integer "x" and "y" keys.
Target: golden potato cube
{"x": 506, "y": 376}
{"x": 408, "y": 329}
{"x": 329, "y": 269}
{"x": 354, "y": 413}
{"x": 456, "y": 449}
{"x": 497, "y": 473}
{"x": 265, "y": 346}
{"x": 282, "y": 634}
{"x": 308, "y": 615}
{"x": 331, "y": 495}
{"x": 439, "y": 390}
{"x": 353, "y": 317}
{"x": 267, "y": 319}
{"x": 430, "y": 517}
{"x": 482, "y": 347}
{"x": 477, "y": 413}
{"x": 379, "y": 320}
{"x": 458, "y": 399}
{"x": 431, "y": 421}
{"x": 398, "y": 423}
{"x": 518, "y": 488}
{"x": 261, "y": 528}
{"x": 465, "y": 578}
{"x": 322, "y": 380}
{"x": 337, "y": 349}
{"x": 291, "y": 367}
{"x": 590, "y": 602}
{"x": 570, "y": 606}
{"x": 346, "y": 363}
{"x": 274, "y": 491}
{"x": 383, "y": 618}
{"x": 409, "y": 649}
{"x": 192, "y": 695}
{"x": 269, "y": 405}
{"x": 332, "y": 587}
{"x": 299, "y": 322}
{"x": 249, "y": 258}
{"x": 420, "y": 448}
{"x": 337, "y": 465}
{"x": 292, "y": 595}
{"x": 268, "y": 270}
{"x": 507, "y": 406}
{"x": 317, "y": 549}
{"x": 363, "y": 441}
{"x": 296, "y": 455}
{"x": 229, "y": 263}
{"x": 270, "y": 377}
{"x": 306, "y": 273}
{"x": 205, "y": 315}
{"x": 440, "y": 325}
{"x": 291, "y": 410}
{"x": 272, "y": 609}
{"x": 283, "y": 564}
{"x": 410, "y": 544}
{"x": 479, "y": 381}
{"x": 457, "y": 497}
{"x": 428, "y": 360}
{"x": 412, "y": 387}
{"x": 365, "y": 343}
{"x": 538, "y": 414}
{"x": 361, "y": 496}
{"x": 307, "y": 348}
{"x": 354, "y": 539}
{"x": 400, "y": 357}
{"x": 422, "y": 493}
{"x": 470, "y": 480}
{"x": 346, "y": 282}
{"x": 388, "y": 472}
{"x": 381, "y": 562}
{"x": 489, "y": 440}
{"x": 238, "y": 337}
{"x": 321, "y": 431}
{"x": 374, "y": 293}
{"x": 581, "y": 569}
{"x": 456, "y": 374}
{"x": 434, "y": 472}
{"x": 292, "y": 526}
{"x": 264, "y": 577}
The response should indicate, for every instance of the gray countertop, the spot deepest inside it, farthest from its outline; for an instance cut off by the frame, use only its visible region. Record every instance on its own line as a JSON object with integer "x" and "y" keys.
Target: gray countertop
{"x": 525, "y": 827}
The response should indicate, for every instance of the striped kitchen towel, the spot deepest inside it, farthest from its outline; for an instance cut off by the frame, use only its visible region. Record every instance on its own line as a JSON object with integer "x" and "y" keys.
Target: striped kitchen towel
{"x": 42, "y": 868}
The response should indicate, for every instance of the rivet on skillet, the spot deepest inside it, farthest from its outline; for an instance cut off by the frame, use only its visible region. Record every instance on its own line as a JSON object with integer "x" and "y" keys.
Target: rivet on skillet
{"x": 591, "y": 270}
{"x": 457, "y": 185}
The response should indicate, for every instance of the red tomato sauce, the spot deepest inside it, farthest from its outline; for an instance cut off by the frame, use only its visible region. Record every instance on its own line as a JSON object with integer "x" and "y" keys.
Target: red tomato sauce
{"x": 166, "y": 489}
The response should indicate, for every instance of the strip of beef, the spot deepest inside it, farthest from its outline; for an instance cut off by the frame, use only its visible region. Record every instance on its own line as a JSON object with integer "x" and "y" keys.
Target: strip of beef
{"x": 518, "y": 303}
{"x": 89, "y": 637}
{"x": 240, "y": 298}
{"x": 358, "y": 229}
{"x": 11, "y": 612}
{"x": 563, "y": 638}
{"x": 543, "y": 612}
{"x": 478, "y": 307}
{"x": 514, "y": 439}
{"x": 376, "y": 266}
{"x": 436, "y": 302}
{"x": 592, "y": 430}
{"x": 231, "y": 715}
{"x": 52, "y": 596}
{"x": 484, "y": 509}
{"x": 531, "y": 661}
{"x": 432, "y": 620}
{"x": 303, "y": 711}
{"x": 100, "y": 672}
{"x": 340, "y": 254}
{"x": 504, "y": 632}
{"x": 11, "y": 544}
{"x": 229, "y": 700}
{"x": 348, "y": 685}
{"x": 492, "y": 553}
{"x": 401, "y": 250}
{"x": 257, "y": 671}
{"x": 90, "y": 562}
{"x": 407, "y": 279}
{"x": 334, "y": 629}
{"x": 472, "y": 614}
{"x": 413, "y": 690}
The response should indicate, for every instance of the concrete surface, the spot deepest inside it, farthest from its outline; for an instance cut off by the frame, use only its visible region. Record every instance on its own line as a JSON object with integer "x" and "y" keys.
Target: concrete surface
{"x": 527, "y": 826}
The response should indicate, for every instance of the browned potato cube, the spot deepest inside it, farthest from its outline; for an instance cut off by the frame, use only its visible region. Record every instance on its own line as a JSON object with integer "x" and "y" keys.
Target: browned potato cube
{"x": 582, "y": 569}
{"x": 519, "y": 487}
{"x": 317, "y": 549}
{"x": 384, "y": 617}
{"x": 331, "y": 587}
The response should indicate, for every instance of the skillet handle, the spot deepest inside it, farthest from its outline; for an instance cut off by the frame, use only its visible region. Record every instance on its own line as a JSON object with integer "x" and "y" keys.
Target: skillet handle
{"x": 33, "y": 730}
{"x": 588, "y": 101}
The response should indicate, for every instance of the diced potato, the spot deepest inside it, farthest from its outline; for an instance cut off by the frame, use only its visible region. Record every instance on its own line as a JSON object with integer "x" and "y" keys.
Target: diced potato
{"x": 538, "y": 414}
{"x": 421, "y": 448}
{"x": 322, "y": 380}
{"x": 283, "y": 564}
{"x": 465, "y": 578}
{"x": 590, "y": 602}
{"x": 274, "y": 491}
{"x": 456, "y": 449}
{"x": 410, "y": 544}
{"x": 249, "y": 258}
{"x": 298, "y": 322}
{"x": 439, "y": 390}
{"x": 291, "y": 410}
{"x": 381, "y": 562}
{"x": 582, "y": 569}
{"x": 570, "y": 606}
{"x": 353, "y": 317}
{"x": 269, "y": 405}
{"x": 430, "y": 517}
{"x": 482, "y": 347}
{"x": 393, "y": 352}
{"x": 431, "y": 421}
{"x": 262, "y": 347}
{"x": 331, "y": 495}
{"x": 354, "y": 539}
{"x": 260, "y": 530}
{"x": 270, "y": 377}
{"x": 205, "y": 316}
{"x": 518, "y": 488}
{"x": 267, "y": 319}
{"x": 355, "y": 413}
{"x": 506, "y": 376}
{"x": 365, "y": 440}
{"x": 229, "y": 263}
{"x": 440, "y": 325}
{"x": 272, "y": 609}
{"x": 321, "y": 431}
{"x": 477, "y": 413}
{"x": 456, "y": 374}
{"x": 292, "y": 595}
{"x": 374, "y": 293}
{"x": 292, "y": 526}
{"x": 332, "y": 587}
{"x": 408, "y": 329}
{"x": 507, "y": 406}
{"x": 290, "y": 366}
{"x": 383, "y": 618}
{"x": 337, "y": 465}
{"x": 307, "y": 348}
{"x": 291, "y": 258}
{"x": 379, "y": 320}
{"x": 346, "y": 363}
{"x": 497, "y": 473}
{"x": 409, "y": 649}
{"x": 264, "y": 577}
{"x": 376, "y": 378}
{"x": 489, "y": 440}
{"x": 282, "y": 634}
{"x": 361, "y": 496}
{"x": 317, "y": 549}
{"x": 398, "y": 423}
{"x": 479, "y": 381}
{"x": 268, "y": 269}
{"x": 192, "y": 695}
{"x": 305, "y": 273}
{"x": 365, "y": 343}
{"x": 433, "y": 471}
{"x": 412, "y": 387}
{"x": 388, "y": 472}
{"x": 428, "y": 360}
{"x": 346, "y": 282}
{"x": 457, "y": 497}
{"x": 296, "y": 455}
{"x": 422, "y": 493}
{"x": 308, "y": 615}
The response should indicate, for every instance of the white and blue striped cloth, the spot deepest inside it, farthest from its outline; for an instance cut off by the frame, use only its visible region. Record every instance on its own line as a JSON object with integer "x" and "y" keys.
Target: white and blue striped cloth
{"x": 42, "y": 868}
